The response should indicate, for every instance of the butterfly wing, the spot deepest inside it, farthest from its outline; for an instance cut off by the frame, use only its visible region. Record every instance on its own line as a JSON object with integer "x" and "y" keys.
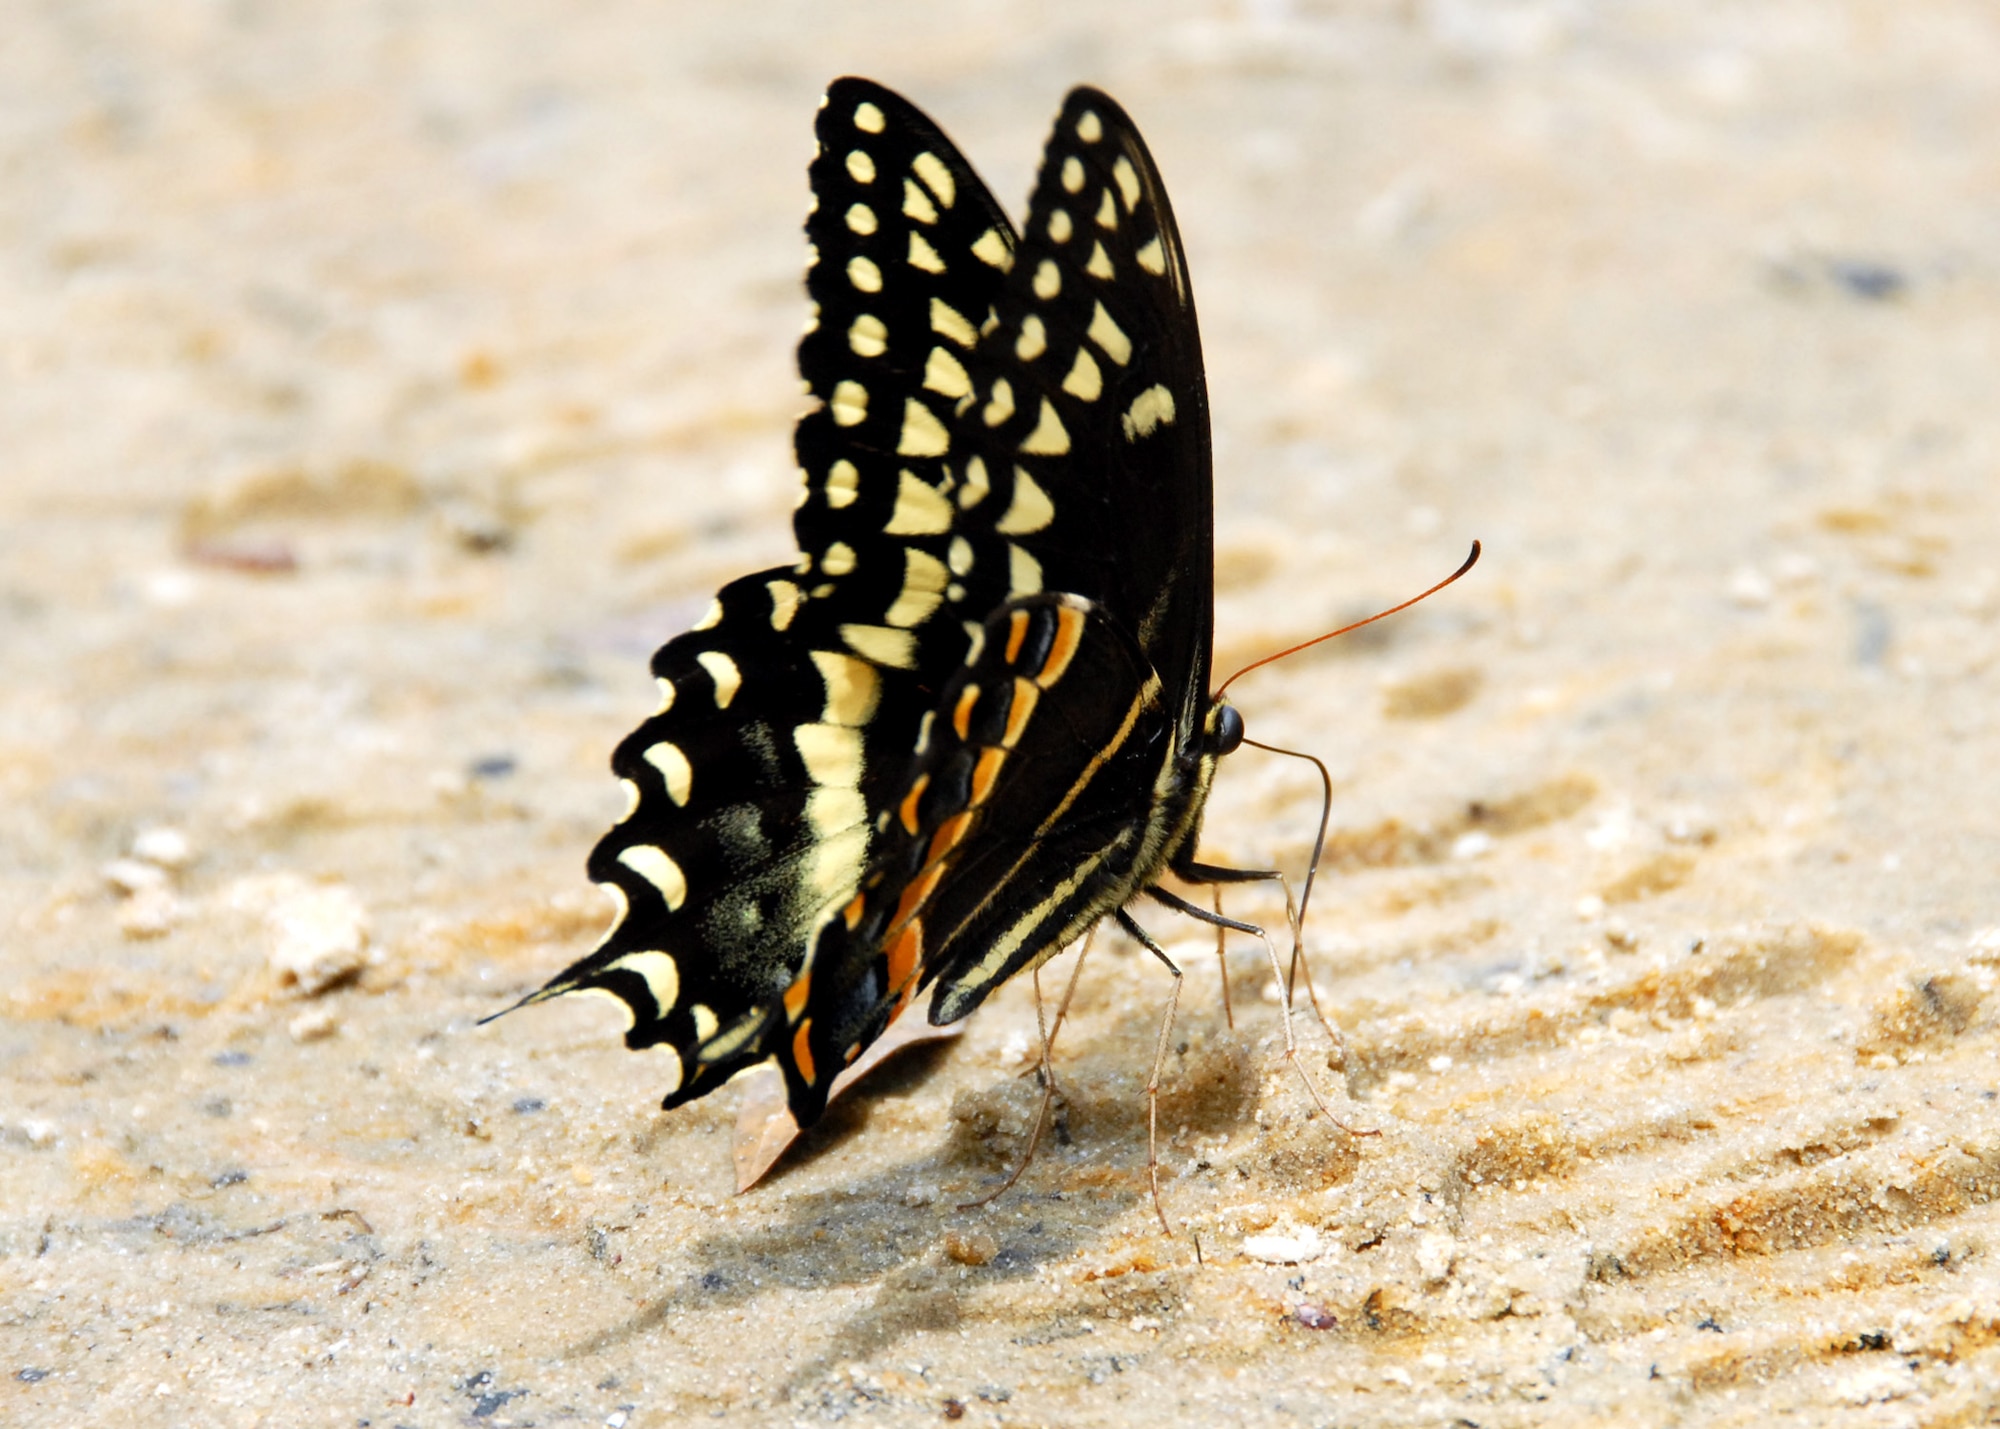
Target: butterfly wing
{"x": 1062, "y": 765}
{"x": 789, "y": 712}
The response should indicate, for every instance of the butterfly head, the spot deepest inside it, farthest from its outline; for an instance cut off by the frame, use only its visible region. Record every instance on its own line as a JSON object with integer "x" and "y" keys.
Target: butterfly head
{"x": 1222, "y": 731}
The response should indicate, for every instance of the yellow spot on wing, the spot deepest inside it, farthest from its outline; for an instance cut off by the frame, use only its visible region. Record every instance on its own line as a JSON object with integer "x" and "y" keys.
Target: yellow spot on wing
{"x": 992, "y": 250}
{"x": 868, "y": 118}
{"x": 705, "y": 1021}
{"x": 1084, "y": 382}
{"x": 867, "y": 336}
{"x": 1024, "y": 572}
{"x": 1001, "y": 405}
{"x": 723, "y": 671}
{"x": 917, "y": 204}
{"x": 1033, "y": 341}
{"x": 894, "y": 648}
{"x": 632, "y": 797}
{"x": 922, "y": 255}
{"x": 653, "y": 865}
{"x": 659, "y": 972}
{"x": 923, "y": 588}
{"x": 850, "y": 404}
{"x": 1128, "y": 182}
{"x": 923, "y": 434}
{"x": 1152, "y": 257}
{"x": 1089, "y": 127}
{"x": 832, "y": 754}
{"x": 1099, "y": 265}
{"x": 974, "y": 491}
{"x": 1110, "y": 337}
{"x": 843, "y": 483}
{"x": 1060, "y": 227}
{"x": 1072, "y": 174}
{"x": 959, "y": 554}
{"x": 838, "y": 560}
{"x": 785, "y": 599}
{"x": 937, "y": 178}
{"x": 1029, "y": 511}
{"x": 861, "y": 219}
{"x": 675, "y": 771}
{"x": 948, "y": 321}
{"x": 852, "y": 687}
{"x": 666, "y": 695}
{"x": 860, "y": 167}
{"x": 945, "y": 374}
{"x": 710, "y": 618}
{"x": 1107, "y": 212}
{"x": 1048, "y": 279}
{"x": 863, "y": 274}
{"x": 1049, "y": 438}
{"x": 921, "y": 509}
{"x": 1151, "y": 409}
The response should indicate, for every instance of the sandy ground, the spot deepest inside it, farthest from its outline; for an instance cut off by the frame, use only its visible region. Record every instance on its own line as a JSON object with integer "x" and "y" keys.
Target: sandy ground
{"x": 383, "y": 381}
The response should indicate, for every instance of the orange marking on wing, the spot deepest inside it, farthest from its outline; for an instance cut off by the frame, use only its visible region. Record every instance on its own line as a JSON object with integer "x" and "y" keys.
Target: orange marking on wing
{"x": 802, "y": 1052}
{"x": 914, "y": 896}
{"x": 856, "y": 907}
{"x": 1069, "y": 635}
{"x": 961, "y": 717}
{"x": 796, "y": 995}
{"x": 949, "y": 833}
{"x": 985, "y": 772}
{"x": 1017, "y": 631}
{"x": 908, "y": 810}
{"x": 1025, "y": 695}
{"x": 905, "y": 953}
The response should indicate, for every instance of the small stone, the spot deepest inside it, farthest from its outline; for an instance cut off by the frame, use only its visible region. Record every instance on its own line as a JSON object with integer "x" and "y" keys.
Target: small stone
{"x": 163, "y": 846}
{"x": 149, "y": 913}
{"x": 1293, "y": 1249}
{"x": 130, "y": 876}
{"x": 315, "y": 1024}
{"x": 322, "y": 938}
{"x": 976, "y": 1248}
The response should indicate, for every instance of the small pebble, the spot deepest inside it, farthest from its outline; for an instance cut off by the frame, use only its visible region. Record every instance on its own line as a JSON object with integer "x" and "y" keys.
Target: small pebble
{"x": 149, "y": 913}
{"x": 974, "y": 1249}
{"x": 1294, "y": 1249}
{"x": 164, "y": 846}
{"x": 315, "y": 1024}
{"x": 130, "y": 876}
{"x": 322, "y": 938}
{"x": 1314, "y": 1317}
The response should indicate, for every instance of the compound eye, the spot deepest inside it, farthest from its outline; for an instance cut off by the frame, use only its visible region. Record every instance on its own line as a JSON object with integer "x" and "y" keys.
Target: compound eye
{"x": 1228, "y": 730}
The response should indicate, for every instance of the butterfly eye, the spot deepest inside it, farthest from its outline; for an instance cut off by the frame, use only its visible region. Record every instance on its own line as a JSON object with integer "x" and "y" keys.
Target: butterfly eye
{"x": 1228, "y": 731}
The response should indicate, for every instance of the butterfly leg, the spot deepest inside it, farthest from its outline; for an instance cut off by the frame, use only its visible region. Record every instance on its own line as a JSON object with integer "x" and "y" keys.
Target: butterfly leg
{"x": 1192, "y": 872}
{"x": 1048, "y": 1071}
{"x": 1145, "y": 940}
{"x": 1171, "y": 900}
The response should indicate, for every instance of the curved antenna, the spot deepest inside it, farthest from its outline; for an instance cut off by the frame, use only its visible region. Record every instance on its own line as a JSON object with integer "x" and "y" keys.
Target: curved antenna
{"x": 1470, "y": 561}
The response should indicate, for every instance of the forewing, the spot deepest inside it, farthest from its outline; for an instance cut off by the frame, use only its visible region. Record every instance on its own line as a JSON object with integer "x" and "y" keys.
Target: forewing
{"x": 1098, "y": 397}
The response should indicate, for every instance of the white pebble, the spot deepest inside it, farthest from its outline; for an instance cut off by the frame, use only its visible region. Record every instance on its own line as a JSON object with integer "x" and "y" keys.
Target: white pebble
{"x": 322, "y": 938}
{"x": 1293, "y": 1249}
{"x": 164, "y": 846}
{"x": 130, "y": 876}
{"x": 315, "y": 1024}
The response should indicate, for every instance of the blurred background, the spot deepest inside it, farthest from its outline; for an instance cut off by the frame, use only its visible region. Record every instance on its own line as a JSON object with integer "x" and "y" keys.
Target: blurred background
{"x": 382, "y": 382}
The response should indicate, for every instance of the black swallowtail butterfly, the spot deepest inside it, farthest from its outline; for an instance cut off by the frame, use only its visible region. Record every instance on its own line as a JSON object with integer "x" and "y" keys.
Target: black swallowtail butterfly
{"x": 974, "y": 717}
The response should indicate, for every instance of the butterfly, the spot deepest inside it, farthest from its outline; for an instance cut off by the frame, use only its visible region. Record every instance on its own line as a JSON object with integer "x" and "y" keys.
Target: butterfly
{"x": 973, "y": 718}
